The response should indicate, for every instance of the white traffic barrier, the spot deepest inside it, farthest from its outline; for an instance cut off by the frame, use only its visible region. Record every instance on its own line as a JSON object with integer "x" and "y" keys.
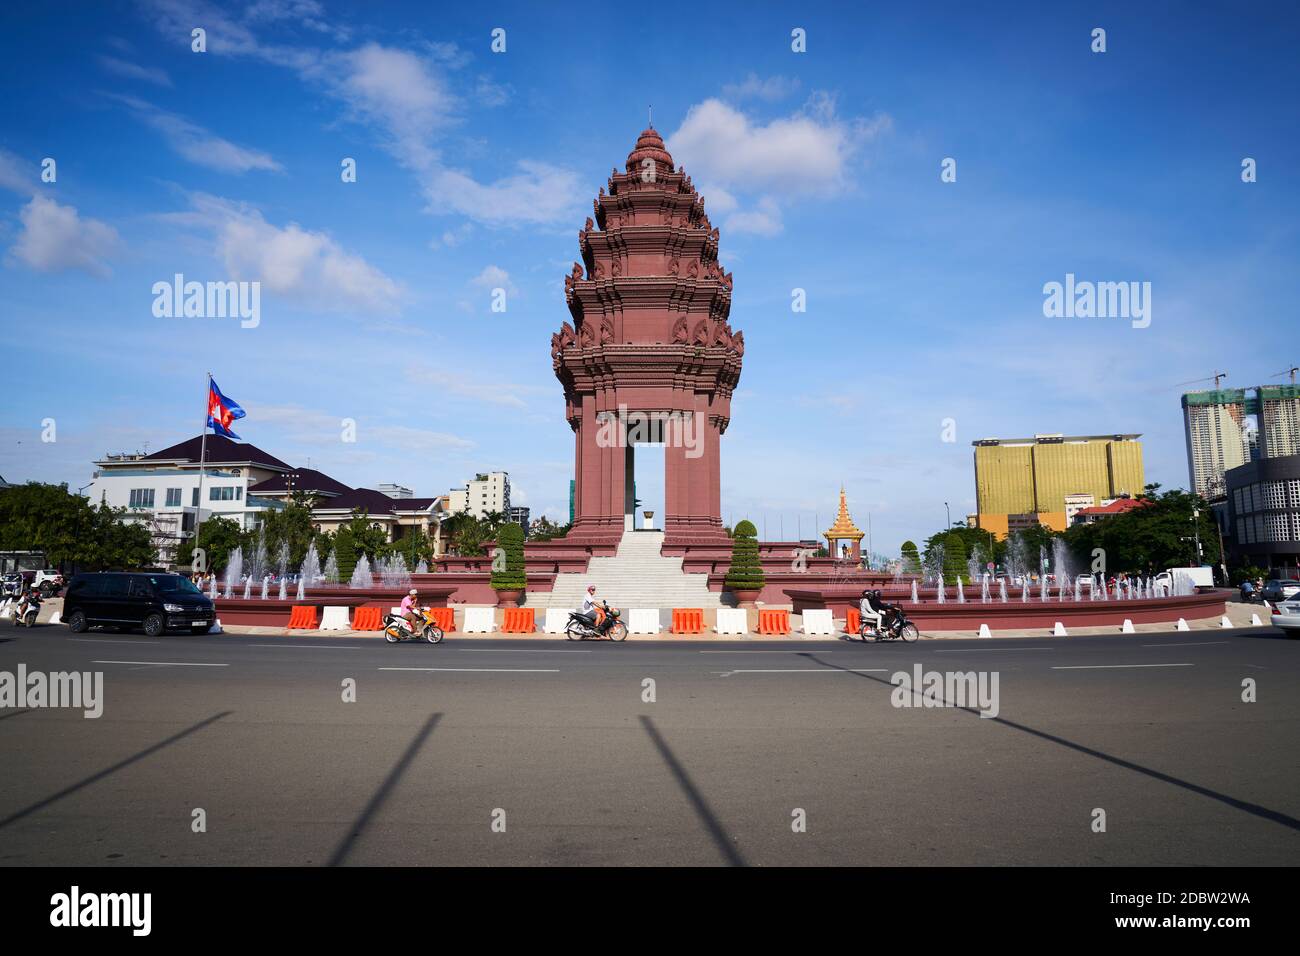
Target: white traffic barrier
{"x": 216, "y": 627}
{"x": 1059, "y": 630}
{"x": 1254, "y": 621}
{"x": 556, "y": 619}
{"x": 6, "y": 612}
{"x": 984, "y": 631}
{"x": 479, "y": 620}
{"x": 57, "y": 618}
{"x": 1126, "y": 627}
{"x": 395, "y": 610}
{"x": 643, "y": 620}
{"x": 732, "y": 620}
{"x": 334, "y": 619}
{"x": 818, "y": 621}
{"x": 1182, "y": 625}
{"x": 1224, "y": 622}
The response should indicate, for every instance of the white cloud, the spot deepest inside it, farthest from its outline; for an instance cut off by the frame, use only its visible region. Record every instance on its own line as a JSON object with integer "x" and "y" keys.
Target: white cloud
{"x": 55, "y": 238}
{"x": 16, "y": 173}
{"x": 133, "y": 71}
{"x": 494, "y": 277}
{"x": 808, "y": 151}
{"x": 196, "y": 144}
{"x": 307, "y": 266}
{"x": 538, "y": 193}
{"x": 765, "y": 220}
{"x": 752, "y": 87}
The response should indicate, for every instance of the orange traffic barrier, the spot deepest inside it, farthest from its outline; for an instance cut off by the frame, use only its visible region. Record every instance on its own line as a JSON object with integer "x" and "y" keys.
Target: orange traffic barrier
{"x": 775, "y": 621}
{"x": 519, "y": 620}
{"x": 853, "y": 620}
{"x": 688, "y": 620}
{"x": 368, "y": 619}
{"x": 444, "y": 617}
{"x": 303, "y": 617}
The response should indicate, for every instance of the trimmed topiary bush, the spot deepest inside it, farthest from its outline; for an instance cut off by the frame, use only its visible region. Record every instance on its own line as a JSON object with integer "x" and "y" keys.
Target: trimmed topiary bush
{"x": 746, "y": 571}
{"x": 513, "y": 577}
{"x": 911, "y": 558}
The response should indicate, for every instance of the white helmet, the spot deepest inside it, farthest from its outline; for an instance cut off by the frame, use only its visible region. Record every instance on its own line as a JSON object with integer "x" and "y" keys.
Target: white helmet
{"x": 413, "y": 592}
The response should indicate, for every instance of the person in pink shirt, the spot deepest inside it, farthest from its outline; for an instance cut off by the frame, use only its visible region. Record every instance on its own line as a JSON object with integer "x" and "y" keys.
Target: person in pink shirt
{"x": 410, "y": 608}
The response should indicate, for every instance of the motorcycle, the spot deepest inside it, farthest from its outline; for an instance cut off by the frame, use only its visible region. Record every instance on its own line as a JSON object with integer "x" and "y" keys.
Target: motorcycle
{"x": 607, "y": 625}
{"x": 398, "y": 628}
{"x": 27, "y": 611}
{"x": 897, "y": 627}
{"x": 11, "y": 585}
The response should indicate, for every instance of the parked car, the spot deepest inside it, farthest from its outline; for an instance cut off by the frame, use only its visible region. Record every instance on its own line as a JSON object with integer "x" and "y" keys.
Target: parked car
{"x": 1280, "y": 590}
{"x": 49, "y": 582}
{"x": 156, "y": 602}
{"x": 1286, "y": 615}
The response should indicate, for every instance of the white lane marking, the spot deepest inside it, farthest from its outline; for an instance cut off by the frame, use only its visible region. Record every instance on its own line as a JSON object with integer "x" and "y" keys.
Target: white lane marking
{"x": 97, "y": 640}
{"x": 309, "y": 647}
{"x": 789, "y": 651}
{"x": 519, "y": 650}
{"x": 1193, "y": 644}
{"x": 1102, "y": 667}
{"x": 994, "y": 650}
{"x": 163, "y": 663}
{"x": 480, "y": 670}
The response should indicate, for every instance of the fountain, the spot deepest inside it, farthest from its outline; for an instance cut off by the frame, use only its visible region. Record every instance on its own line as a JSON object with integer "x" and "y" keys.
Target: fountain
{"x": 310, "y": 570}
{"x": 984, "y": 588}
{"x": 284, "y": 583}
{"x": 331, "y": 572}
{"x": 939, "y": 593}
{"x": 248, "y": 586}
{"x": 302, "y": 588}
{"x": 1002, "y": 590}
{"x": 234, "y": 569}
{"x": 257, "y": 566}
{"x": 212, "y": 587}
{"x": 361, "y": 577}
{"x": 914, "y": 598}
{"x": 961, "y": 594}
{"x": 401, "y": 576}
{"x": 423, "y": 568}
{"x": 266, "y": 583}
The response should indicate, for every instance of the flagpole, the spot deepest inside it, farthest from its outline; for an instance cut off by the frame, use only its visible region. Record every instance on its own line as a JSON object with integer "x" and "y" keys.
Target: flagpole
{"x": 203, "y": 462}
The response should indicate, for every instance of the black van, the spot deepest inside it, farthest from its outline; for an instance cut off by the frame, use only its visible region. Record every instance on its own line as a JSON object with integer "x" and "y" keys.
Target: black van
{"x": 156, "y": 602}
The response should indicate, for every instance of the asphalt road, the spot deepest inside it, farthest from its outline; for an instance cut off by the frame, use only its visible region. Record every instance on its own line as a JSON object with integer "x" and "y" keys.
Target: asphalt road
{"x": 1151, "y": 729}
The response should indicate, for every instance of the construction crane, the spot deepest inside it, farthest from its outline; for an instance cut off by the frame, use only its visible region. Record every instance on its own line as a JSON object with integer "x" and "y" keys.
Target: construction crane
{"x": 1214, "y": 378}
{"x": 1290, "y": 371}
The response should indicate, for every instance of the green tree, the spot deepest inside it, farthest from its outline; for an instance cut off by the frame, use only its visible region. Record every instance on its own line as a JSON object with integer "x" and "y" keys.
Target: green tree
{"x": 911, "y": 558}
{"x": 1145, "y": 540}
{"x": 217, "y": 537}
{"x": 746, "y": 571}
{"x": 547, "y": 530}
{"x": 514, "y": 576}
{"x": 71, "y": 533}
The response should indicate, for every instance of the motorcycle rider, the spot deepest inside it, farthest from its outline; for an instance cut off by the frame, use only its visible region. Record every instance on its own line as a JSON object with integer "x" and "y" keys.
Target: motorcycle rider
{"x": 31, "y": 599}
{"x": 589, "y": 607}
{"x": 872, "y": 609}
{"x": 410, "y": 610}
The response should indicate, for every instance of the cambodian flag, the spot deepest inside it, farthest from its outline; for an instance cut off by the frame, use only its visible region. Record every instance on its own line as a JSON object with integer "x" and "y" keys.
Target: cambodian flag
{"x": 221, "y": 411}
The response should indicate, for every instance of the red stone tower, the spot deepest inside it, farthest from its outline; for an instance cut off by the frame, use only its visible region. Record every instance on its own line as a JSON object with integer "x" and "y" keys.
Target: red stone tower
{"x": 650, "y": 354}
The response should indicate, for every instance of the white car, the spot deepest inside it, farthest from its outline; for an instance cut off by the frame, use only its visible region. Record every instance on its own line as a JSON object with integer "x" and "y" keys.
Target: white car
{"x": 1286, "y": 614}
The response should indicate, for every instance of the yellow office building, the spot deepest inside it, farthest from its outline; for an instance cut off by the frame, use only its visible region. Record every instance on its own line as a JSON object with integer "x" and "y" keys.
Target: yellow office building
{"x": 1024, "y": 481}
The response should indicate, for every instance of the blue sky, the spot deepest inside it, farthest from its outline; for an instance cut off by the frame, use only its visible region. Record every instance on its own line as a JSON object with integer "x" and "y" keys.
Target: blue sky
{"x": 476, "y": 169}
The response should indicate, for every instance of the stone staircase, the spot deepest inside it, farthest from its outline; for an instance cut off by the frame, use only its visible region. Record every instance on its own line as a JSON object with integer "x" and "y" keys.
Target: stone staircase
{"x": 637, "y": 576}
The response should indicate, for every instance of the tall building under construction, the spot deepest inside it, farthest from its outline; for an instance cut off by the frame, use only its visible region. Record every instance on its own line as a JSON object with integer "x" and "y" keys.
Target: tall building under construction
{"x": 1221, "y": 434}
{"x": 1027, "y": 481}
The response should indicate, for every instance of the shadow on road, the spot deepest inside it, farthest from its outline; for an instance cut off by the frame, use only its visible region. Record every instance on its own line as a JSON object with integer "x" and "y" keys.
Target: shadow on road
{"x": 725, "y": 844}
{"x": 1252, "y": 808}
{"x": 381, "y": 795}
{"x": 16, "y": 713}
{"x": 107, "y": 771}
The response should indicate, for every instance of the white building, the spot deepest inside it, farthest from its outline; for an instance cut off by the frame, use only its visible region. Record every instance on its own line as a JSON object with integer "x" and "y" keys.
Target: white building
{"x": 1218, "y": 437}
{"x": 161, "y": 490}
{"x": 486, "y": 493}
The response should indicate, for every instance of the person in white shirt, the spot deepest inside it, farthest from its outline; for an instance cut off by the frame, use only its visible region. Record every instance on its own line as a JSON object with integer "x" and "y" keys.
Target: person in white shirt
{"x": 589, "y": 605}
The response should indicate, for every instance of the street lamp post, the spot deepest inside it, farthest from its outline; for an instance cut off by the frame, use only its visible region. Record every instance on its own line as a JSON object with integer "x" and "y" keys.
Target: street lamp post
{"x": 948, "y": 512}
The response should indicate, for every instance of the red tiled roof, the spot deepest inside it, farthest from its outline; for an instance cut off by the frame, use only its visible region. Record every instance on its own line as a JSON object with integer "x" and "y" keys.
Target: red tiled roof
{"x": 220, "y": 451}
{"x": 305, "y": 479}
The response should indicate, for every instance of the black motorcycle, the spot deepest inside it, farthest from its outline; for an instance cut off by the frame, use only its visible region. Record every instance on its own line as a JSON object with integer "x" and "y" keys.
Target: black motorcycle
{"x": 895, "y": 627}
{"x": 580, "y": 629}
{"x": 28, "y": 609}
